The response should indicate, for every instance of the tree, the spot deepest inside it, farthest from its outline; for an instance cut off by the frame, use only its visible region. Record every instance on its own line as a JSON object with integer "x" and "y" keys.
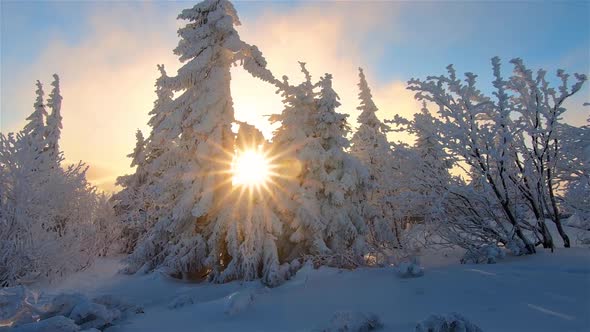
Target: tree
{"x": 191, "y": 146}
{"x": 46, "y": 211}
{"x": 34, "y": 130}
{"x": 54, "y": 120}
{"x": 320, "y": 207}
{"x": 573, "y": 167}
{"x": 539, "y": 110}
{"x": 371, "y": 147}
{"x": 507, "y": 146}
{"x": 131, "y": 203}
{"x": 108, "y": 228}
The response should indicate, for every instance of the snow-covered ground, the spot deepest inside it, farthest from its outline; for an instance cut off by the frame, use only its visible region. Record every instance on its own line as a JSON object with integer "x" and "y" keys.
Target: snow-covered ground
{"x": 544, "y": 292}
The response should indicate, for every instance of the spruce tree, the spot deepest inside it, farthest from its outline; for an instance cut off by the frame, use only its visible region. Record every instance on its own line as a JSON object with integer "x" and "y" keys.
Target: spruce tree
{"x": 371, "y": 147}
{"x": 34, "y": 130}
{"x": 191, "y": 146}
{"x": 54, "y": 120}
{"x": 323, "y": 213}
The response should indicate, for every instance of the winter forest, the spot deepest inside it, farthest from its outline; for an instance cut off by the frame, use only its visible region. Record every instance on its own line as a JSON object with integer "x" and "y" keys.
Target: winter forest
{"x": 324, "y": 226}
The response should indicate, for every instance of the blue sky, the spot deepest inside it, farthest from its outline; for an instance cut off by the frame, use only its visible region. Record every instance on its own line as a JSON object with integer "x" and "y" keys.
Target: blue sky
{"x": 91, "y": 43}
{"x": 434, "y": 33}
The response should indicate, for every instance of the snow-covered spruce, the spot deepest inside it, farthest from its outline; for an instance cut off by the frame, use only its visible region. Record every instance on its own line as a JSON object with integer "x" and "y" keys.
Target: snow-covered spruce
{"x": 189, "y": 231}
{"x": 370, "y": 145}
{"x": 132, "y": 203}
{"x": 321, "y": 197}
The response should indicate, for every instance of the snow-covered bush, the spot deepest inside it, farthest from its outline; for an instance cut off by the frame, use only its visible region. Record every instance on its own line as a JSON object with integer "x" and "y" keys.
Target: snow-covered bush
{"x": 47, "y": 210}
{"x": 487, "y": 254}
{"x": 353, "y": 321}
{"x": 452, "y": 322}
{"x": 409, "y": 270}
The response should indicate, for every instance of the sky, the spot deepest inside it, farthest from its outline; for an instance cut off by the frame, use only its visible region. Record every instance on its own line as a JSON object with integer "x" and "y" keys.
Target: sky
{"x": 106, "y": 54}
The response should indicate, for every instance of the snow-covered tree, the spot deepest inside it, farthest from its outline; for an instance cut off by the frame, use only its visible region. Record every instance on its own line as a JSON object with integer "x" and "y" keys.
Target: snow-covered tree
{"x": 34, "y": 130}
{"x": 54, "y": 120}
{"x": 539, "y": 109}
{"x": 46, "y": 211}
{"x": 191, "y": 146}
{"x": 108, "y": 238}
{"x": 421, "y": 171}
{"x": 507, "y": 145}
{"x": 322, "y": 206}
{"x": 131, "y": 203}
{"x": 574, "y": 172}
{"x": 371, "y": 147}
{"x": 249, "y": 227}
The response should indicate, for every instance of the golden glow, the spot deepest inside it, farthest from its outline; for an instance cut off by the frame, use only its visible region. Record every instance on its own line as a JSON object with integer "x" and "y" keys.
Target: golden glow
{"x": 251, "y": 168}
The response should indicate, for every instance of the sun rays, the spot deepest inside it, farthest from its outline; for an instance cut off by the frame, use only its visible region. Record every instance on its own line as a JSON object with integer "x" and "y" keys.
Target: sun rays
{"x": 250, "y": 168}
{"x": 253, "y": 170}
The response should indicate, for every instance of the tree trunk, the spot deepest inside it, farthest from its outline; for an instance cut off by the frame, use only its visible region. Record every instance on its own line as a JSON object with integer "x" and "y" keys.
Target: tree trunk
{"x": 547, "y": 238}
{"x": 566, "y": 239}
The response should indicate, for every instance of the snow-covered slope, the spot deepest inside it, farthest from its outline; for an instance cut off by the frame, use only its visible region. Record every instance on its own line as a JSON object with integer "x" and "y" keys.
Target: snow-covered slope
{"x": 543, "y": 292}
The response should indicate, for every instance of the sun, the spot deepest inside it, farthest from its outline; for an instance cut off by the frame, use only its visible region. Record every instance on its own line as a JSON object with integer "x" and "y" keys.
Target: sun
{"x": 250, "y": 168}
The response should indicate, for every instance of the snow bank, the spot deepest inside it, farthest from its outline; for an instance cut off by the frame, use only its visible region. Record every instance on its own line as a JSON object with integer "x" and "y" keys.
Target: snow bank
{"x": 88, "y": 314}
{"x": 239, "y": 301}
{"x": 16, "y": 305}
{"x": 29, "y": 311}
{"x": 53, "y": 324}
{"x": 347, "y": 321}
{"x": 63, "y": 304}
{"x": 452, "y": 322}
{"x": 181, "y": 301}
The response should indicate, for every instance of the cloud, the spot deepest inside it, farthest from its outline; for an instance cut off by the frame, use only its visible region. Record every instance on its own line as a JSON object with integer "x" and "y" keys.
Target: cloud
{"x": 331, "y": 38}
{"x": 108, "y": 76}
{"x": 107, "y": 82}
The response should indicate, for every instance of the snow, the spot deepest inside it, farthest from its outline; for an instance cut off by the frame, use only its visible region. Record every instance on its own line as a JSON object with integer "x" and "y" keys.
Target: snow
{"x": 340, "y": 206}
{"x": 53, "y": 324}
{"x": 447, "y": 323}
{"x": 353, "y": 322}
{"x": 543, "y": 292}
{"x": 409, "y": 270}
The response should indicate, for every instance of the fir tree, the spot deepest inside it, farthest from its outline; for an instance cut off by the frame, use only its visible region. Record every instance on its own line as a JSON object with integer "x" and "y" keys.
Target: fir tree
{"x": 191, "y": 145}
{"x": 34, "y": 130}
{"x": 321, "y": 208}
{"x": 54, "y": 120}
{"x": 371, "y": 147}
